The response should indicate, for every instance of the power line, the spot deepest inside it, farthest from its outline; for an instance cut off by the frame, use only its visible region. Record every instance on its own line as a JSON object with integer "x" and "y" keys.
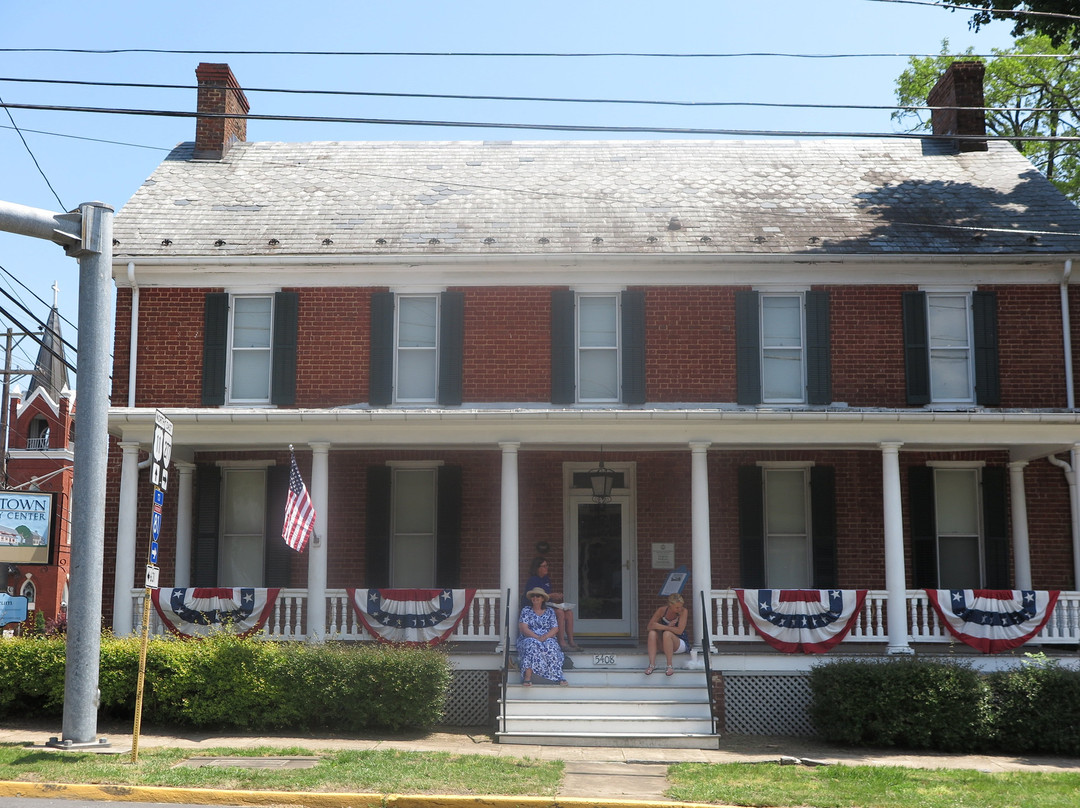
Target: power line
{"x": 665, "y": 130}
{"x": 37, "y": 339}
{"x": 29, "y": 151}
{"x": 538, "y": 99}
{"x": 38, "y": 298}
{"x": 90, "y": 139}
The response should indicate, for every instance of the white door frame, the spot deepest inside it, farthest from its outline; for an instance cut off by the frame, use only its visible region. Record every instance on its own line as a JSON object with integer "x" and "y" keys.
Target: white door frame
{"x": 627, "y": 498}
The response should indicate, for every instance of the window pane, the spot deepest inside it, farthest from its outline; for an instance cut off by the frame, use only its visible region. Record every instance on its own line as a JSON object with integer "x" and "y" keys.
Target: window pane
{"x": 251, "y": 322}
{"x": 416, "y": 375}
{"x": 250, "y": 376}
{"x": 416, "y": 322}
{"x": 598, "y": 376}
{"x": 781, "y": 375}
{"x": 948, "y": 320}
{"x": 413, "y": 562}
{"x": 958, "y": 557}
{"x": 597, "y": 322}
{"x": 950, "y": 375}
{"x": 956, "y": 500}
{"x": 781, "y": 321}
{"x": 414, "y": 501}
{"x": 787, "y": 563}
{"x": 241, "y": 561}
{"x": 785, "y": 495}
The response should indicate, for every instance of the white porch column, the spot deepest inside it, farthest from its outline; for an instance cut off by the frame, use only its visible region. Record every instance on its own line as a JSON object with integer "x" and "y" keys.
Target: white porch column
{"x": 317, "y": 546}
{"x": 700, "y": 551}
{"x": 1021, "y": 546}
{"x": 508, "y": 532}
{"x": 124, "y": 573}
{"x": 182, "y": 576}
{"x": 895, "y": 578}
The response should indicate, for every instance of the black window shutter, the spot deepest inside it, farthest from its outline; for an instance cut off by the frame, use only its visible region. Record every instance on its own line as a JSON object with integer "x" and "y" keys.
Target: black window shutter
{"x": 818, "y": 349}
{"x": 562, "y": 347}
{"x": 823, "y": 526}
{"x": 377, "y": 543}
{"x": 751, "y": 527}
{"x": 448, "y": 528}
{"x": 924, "y": 564}
{"x": 204, "y": 566}
{"x": 984, "y": 319}
{"x": 996, "y": 527}
{"x": 633, "y": 347}
{"x": 747, "y": 349}
{"x": 283, "y": 373}
{"x": 916, "y": 349}
{"x": 451, "y": 347}
{"x": 215, "y": 336}
{"x": 277, "y": 554}
{"x": 381, "y": 365}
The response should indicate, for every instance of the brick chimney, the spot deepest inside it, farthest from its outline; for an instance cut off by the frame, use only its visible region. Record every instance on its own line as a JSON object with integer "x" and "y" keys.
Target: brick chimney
{"x": 961, "y": 86}
{"x": 220, "y": 94}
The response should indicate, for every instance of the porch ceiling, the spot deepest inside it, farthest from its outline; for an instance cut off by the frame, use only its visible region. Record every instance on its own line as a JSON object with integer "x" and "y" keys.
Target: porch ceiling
{"x": 1025, "y": 434}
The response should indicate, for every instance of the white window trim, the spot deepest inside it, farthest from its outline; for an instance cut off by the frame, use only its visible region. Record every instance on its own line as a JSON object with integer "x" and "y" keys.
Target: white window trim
{"x": 966, "y": 292}
{"x": 786, "y": 464}
{"x": 229, "y": 350}
{"x": 436, "y": 296}
{"x": 762, "y": 295}
{"x": 415, "y": 464}
{"x": 956, "y": 464}
{"x": 616, "y": 297}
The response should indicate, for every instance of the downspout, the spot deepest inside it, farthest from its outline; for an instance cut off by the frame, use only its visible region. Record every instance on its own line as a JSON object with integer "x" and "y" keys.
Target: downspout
{"x": 1066, "y": 326}
{"x": 1074, "y": 506}
{"x": 1070, "y": 401}
{"x": 133, "y": 348}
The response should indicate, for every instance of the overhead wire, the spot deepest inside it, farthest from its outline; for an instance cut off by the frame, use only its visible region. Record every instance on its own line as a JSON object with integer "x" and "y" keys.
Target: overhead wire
{"x": 37, "y": 297}
{"x": 33, "y": 157}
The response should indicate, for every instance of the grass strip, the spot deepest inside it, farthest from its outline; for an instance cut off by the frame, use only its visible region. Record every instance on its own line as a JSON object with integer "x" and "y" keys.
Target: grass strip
{"x": 380, "y": 771}
{"x": 770, "y": 784}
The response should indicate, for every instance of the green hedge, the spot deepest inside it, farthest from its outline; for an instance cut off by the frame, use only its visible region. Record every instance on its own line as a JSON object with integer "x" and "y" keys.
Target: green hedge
{"x": 948, "y": 706}
{"x": 225, "y": 681}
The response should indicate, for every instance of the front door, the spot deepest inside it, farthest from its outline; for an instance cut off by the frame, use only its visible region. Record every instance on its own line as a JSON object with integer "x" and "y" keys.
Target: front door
{"x": 600, "y": 573}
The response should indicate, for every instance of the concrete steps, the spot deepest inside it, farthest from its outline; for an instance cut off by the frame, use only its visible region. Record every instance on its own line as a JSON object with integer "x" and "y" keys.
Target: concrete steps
{"x": 611, "y": 702}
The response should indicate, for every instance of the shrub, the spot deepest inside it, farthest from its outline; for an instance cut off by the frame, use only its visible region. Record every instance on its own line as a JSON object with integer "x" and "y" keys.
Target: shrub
{"x": 1036, "y": 708}
{"x": 226, "y": 681}
{"x": 901, "y": 702}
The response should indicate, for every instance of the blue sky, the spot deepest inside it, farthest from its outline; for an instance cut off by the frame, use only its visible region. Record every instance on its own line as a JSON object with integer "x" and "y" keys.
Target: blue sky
{"x": 83, "y": 170}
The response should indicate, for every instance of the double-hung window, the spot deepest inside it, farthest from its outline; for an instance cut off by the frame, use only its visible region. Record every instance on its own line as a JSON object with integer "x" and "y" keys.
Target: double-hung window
{"x": 597, "y": 347}
{"x": 782, "y": 348}
{"x": 951, "y": 347}
{"x": 243, "y": 515}
{"x": 249, "y": 349}
{"x": 413, "y": 528}
{"x": 417, "y": 348}
{"x": 787, "y": 528}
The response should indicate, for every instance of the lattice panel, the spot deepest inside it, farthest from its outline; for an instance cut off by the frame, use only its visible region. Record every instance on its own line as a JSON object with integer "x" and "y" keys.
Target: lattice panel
{"x": 767, "y": 704}
{"x": 467, "y": 701}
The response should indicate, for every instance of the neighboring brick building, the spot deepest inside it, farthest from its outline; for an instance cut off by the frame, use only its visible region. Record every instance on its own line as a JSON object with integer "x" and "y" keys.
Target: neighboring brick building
{"x": 811, "y": 364}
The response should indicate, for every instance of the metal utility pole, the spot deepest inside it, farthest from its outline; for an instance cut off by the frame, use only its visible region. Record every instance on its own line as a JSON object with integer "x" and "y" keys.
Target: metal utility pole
{"x": 85, "y": 234}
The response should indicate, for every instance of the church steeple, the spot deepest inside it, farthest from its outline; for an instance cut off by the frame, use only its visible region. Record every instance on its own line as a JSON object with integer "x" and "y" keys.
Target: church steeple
{"x": 50, "y": 370}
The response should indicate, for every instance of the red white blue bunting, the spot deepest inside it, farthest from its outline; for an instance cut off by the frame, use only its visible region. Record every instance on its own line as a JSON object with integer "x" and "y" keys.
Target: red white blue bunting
{"x": 993, "y": 620}
{"x": 810, "y": 621}
{"x": 201, "y": 611}
{"x": 411, "y": 616}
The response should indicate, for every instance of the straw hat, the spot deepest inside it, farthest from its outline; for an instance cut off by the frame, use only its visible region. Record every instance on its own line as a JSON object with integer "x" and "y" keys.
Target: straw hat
{"x": 536, "y": 590}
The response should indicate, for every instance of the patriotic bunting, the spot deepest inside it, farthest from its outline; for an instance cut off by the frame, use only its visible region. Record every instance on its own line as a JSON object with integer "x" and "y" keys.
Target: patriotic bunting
{"x": 993, "y": 620}
{"x": 410, "y": 616}
{"x": 810, "y": 621}
{"x": 199, "y": 611}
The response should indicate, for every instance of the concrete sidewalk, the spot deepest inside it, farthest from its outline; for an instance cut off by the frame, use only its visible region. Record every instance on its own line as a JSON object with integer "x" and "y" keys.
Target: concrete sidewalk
{"x": 609, "y": 773}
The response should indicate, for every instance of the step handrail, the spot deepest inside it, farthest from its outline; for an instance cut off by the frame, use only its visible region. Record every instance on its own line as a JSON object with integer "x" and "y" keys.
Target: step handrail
{"x": 705, "y": 634}
{"x": 506, "y": 658}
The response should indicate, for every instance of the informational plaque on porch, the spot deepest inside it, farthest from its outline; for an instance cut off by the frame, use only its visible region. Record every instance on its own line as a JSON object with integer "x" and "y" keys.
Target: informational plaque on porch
{"x": 676, "y": 582}
{"x": 663, "y": 555}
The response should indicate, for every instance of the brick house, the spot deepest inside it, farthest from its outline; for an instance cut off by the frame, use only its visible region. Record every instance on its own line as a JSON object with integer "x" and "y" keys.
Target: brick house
{"x": 809, "y": 364}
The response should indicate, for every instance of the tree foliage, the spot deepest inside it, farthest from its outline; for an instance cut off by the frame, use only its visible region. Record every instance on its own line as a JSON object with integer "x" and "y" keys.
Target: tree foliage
{"x": 1035, "y": 96}
{"x": 1061, "y": 30}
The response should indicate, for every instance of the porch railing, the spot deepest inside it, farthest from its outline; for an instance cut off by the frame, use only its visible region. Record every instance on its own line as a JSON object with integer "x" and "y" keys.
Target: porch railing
{"x": 288, "y": 622}
{"x": 924, "y": 625}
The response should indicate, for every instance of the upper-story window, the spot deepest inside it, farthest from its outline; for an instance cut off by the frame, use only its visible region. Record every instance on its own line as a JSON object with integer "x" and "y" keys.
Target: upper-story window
{"x": 38, "y": 434}
{"x": 597, "y": 347}
{"x": 951, "y": 348}
{"x": 782, "y": 348}
{"x": 417, "y": 348}
{"x": 249, "y": 349}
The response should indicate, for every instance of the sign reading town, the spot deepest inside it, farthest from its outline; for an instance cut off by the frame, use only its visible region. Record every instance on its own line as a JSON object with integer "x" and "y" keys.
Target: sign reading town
{"x": 26, "y": 527}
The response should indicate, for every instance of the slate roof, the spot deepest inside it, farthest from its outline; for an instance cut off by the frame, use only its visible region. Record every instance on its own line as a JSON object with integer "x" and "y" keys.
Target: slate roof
{"x": 760, "y": 197}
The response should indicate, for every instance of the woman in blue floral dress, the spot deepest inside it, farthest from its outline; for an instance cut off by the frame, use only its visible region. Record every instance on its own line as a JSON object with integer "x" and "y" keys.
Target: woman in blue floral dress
{"x": 538, "y": 640}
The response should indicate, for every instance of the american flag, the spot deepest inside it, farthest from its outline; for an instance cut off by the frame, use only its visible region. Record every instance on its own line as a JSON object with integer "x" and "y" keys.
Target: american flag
{"x": 299, "y": 512}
